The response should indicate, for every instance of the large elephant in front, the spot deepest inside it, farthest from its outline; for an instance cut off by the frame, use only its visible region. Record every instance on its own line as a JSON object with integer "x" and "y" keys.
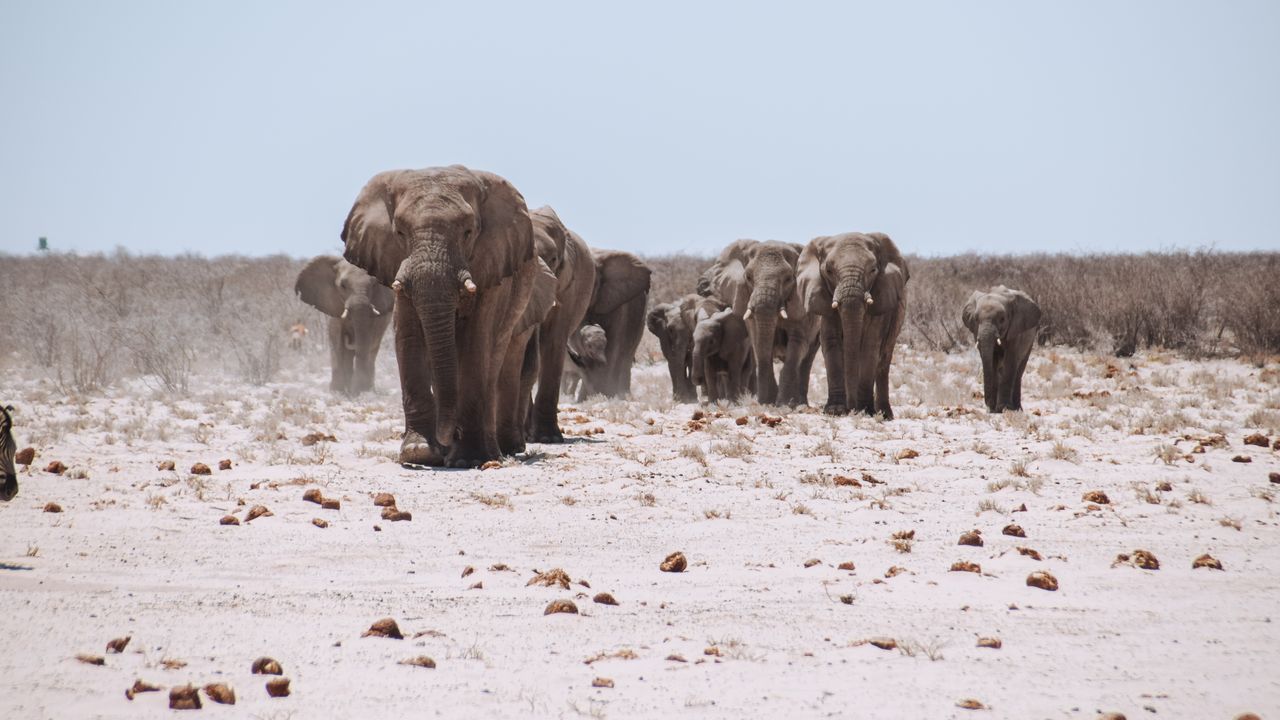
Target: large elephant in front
{"x": 359, "y": 309}
{"x": 857, "y": 283}
{"x": 617, "y": 305}
{"x": 723, "y": 361}
{"x": 1004, "y": 323}
{"x": 758, "y": 280}
{"x": 569, "y": 258}
{"x": 673, "y": 323}
{"x": 456, "y": 245}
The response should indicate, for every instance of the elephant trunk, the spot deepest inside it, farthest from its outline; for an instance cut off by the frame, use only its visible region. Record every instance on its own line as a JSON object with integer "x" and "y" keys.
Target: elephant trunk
{"x": 988, "y": 350}
{"x": 699, "y": 358}
{"x": 850, "y": 299}
{"x": 763, "y": 326}
{"x": 436, "y": 280}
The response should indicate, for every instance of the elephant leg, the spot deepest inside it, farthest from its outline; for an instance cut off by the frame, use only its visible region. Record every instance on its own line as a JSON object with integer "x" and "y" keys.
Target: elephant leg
{"x": 552, "y": 339}
{"x": 1004, "y": 378}
{"x": 710, "y": 375}
{"x": 868, "y": 357}
{"x": 624, "y": 337}
{"x": 888, "y": 342}
{"x": 802, "y": 375}
{"x": 419, "y": 446}
{"x": 516, "y": 368}
{"x": 1015, "y": 390}
{"x": 480, "y": 357}
{"x": 339, "y": 358}
{"x": 733, "y": 390}
{"x": 832, "y": 342}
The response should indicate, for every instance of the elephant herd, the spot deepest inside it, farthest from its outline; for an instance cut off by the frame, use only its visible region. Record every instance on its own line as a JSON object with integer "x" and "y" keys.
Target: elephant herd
{"x": 491, "y": 300}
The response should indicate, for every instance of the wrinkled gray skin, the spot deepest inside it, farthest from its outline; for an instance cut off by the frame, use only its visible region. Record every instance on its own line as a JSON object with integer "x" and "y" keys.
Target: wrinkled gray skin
{"x": 673, "y": 323}
{"x": 587, "y": 351}
{"x": 622, "y": 291}
{"x": 457, "y": 247}
{"x": 857, "y": 283}
{"x": 8, "y": 448}
{"x": 569, "y": 258}
{"x": 359, "y": 310}
{"x": 1004, "y": 322}
{"x": 722, "y": 356}
{"x": 758, "y": 280}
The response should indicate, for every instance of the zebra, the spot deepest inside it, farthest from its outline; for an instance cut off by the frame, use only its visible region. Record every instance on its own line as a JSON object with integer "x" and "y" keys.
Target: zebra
{"x": 7, "y": 449}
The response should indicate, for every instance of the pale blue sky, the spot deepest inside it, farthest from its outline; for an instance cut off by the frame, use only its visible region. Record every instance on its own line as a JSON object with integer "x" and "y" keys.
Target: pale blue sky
{"x": 249, "y": 127}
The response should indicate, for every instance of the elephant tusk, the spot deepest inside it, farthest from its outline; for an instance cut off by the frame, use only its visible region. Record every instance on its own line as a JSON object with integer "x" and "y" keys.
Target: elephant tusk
{"x": 998, "y": 343}
{"x": 835, "y": 304}
{"x": 344, "y": 313}
{"x": 397, "y": 286}
{"x": 747, "y": 315}
{"x": 870, "y": 300}
{"x": 375, "y": 312}
{"x": 470, "y": 286}
{"x": 782, "y": 312}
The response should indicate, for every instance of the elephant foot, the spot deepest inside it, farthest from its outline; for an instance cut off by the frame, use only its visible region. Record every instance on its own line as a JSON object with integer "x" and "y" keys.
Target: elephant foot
{"x": 416, "y": 450}
{"x": 886, "y": 413}
{"x": 10, "y": 489}
{"x": 835, "y": 409}
{"x": 461, "y": 457}
{"x": 511, "y": 446}
{"x": 550, "y": 435}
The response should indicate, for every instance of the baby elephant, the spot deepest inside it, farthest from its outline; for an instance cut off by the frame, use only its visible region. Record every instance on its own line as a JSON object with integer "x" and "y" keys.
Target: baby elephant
{"x": 1004, "y": 322}
{"x": 722, "y": 352}
{"x": 588, "y": 351}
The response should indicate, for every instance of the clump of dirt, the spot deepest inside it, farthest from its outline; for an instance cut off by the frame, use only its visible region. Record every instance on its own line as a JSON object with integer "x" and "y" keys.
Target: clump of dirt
{"x": 966, "y": 566}
{"x": 468, "y": 570}
{"x": 139, "y": 687}
{"x": 312, "y": 438}
{"x": 769, "y": 420}
{"x": 491, "y": 465}
{"x": 907, "y": 454}
{"x": 602, "y": 682}
{"x": 846, "y": 565}
{"x": 185, "y": 697}
{"x": 200, "y": 469}
{"x": 884, "y": 643}
{"x": 393, "y": 515}
{"x": 552, "y": 577}
{"x": 990, "y": 642}
{"x": 743, "y": 420}
{"x": 331, "y": 504}
{"x": 1242, "y": 459}
{"x": 57, "y": 467}
{"x": 1164, "y": 486}
{"x": 118, "y": 645}
{"x": 1257, "y": 439}
{"x": 845, "y": 481}
{"x": 220, "y": 693}
{"x": 256, "y": 512}
{"x": 166, "y": 465}
{"x": 266, "y": 666}
{"x": 1206, "y": 561}
{"x": 1274, "y": 477}
{"x": 320, "y": 523}
{"x": 1097, "y": 497}
{"x": 674, "y": 563}
{"x": 904, "y": 535}
{"x": 561, "y": 606}
{"x": 88, "y": 659}
{"x": 313, "y": 496}
{"x": 1145, "y": 560}
{"x": 1042, "y": 579}
{"x": 1029, "y": 553}
{"x": 224, "y": 464}
{"x": 972, "y": 538}
{"x": 894, "y": 571}
{"x": 52, "y": 507}
{"x": 383, "y": 499}
{"x": 25, "y": 456}
{"x": 811, "y": 562}
{"x": 676, "y": 658}
{"x": 1013, "y": 531}
{"x": 229, "y": 520}
{"x": 604, "y": 598}
{"x": 386, "y": 627}
{"x": 278, "y": 687}
{"x": 970, "y": 704}
{"x": 421, "y": 661}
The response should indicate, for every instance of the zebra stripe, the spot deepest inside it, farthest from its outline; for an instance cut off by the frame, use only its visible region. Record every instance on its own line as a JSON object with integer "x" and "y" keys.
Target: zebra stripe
{"x": 7, "y": 450}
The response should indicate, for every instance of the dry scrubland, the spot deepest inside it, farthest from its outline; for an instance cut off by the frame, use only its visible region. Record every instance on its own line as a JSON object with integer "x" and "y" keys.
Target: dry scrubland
{"x": 825, "y": 571}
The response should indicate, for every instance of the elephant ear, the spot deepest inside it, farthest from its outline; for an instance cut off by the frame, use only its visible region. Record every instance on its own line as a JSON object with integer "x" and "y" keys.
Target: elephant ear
{"x": 317, "y": 285}
{"x": 620, "y": 278}
{"x": 368, "y": 234}
{"x": 541, "y": 300}
{"x": 969, "y": 314}
{"x": 505, "y": 240}
{"x": 889, "y": 290}
{"x": 812, "y": 289}
{"x": 1024, "y": 313}
{"x": 653, "y": 319}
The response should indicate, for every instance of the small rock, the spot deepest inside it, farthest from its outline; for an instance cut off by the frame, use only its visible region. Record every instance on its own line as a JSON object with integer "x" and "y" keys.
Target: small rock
{"x": 384, "y": 500}
{"x": 1206, "y": 561}
{"x": 331, "y": 504}
{"x": 811, "y": 562}
{"x": 313, "y": 496}
{"x": 386, "y": 627}
{"x": 118, "y": 645}
{"x": 266, "y": 666}
{"x": 712, "y": 651}
{"x": 1164, "y": 486}
{"x": 966, "y": 566}
{"x": 971, "y": 538}
{"x": 491, "y": 465}
{"x": 220, "y": 693}
{"x": 166, "y": 465}
{"x": 846, "y": 565}
{"x": 602, "y": 682}
{"x": 467, "y": 570}
{"x": 1014, "y": 531}
{"x": 739, "y": 421}
{"x": 676, "y": 658}
{"x": 674, "y": 563}
{"x": 320, "y": 523}
{"x": 421, "y": 661}
{"x": 561, "y": 606}
{"x": 52, "y": 507}
{"x": 139, "y": 687}
{"x": 56, "y": 467}
{"x": 393, "y": 515}
{"x": 200, "y": 469}
{"x": 970, "y": 704}
{"x": 1242, "y": 459}
{"x": 990, "y": 642}
{"x": 1248, "y": 716}
{"x": 229, "y": 520}
{"x": 224, "y": 464}
{"x": 1274, "y": 477}
{"x": 907, "y": 454}
{"x": 88, "y": 659}
{"x": 1257, "y": 439}
{"x": 1020, "y": 508}
{"x": 894, "y": 571}
{"x": 25, "y": 456}
{"x": 1145, "y": 560}
{"x": 1029, "y": 553}
{"x": 604, "y": 598}
{"x": 1111, "y": 716}
{"x": 1097, "y": 496}
{"x": 884, "y": 643}
{"x": 185, "y": 697}
{"x": 848, "y": 599}
{"x": 278, "y": 687}
{"x": 256, "y": 512}
{"x": 479, "y": 585}
{"x": 1043, "y": 580}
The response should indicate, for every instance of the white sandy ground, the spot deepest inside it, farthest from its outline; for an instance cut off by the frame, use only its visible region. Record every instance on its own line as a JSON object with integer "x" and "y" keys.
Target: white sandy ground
{"x": 139, "y": 552}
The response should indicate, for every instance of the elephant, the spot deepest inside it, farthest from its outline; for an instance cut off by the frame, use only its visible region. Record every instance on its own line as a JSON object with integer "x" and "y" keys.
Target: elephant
{"x": 857, "y": 284}
{"x": 1004, "y": 322}
{"x": 8, "y": 449}
{"x": 359, "y": 310}
{"x": 617, "y": 306}
{"x": 568, "y": 257}
{"x": 758, "y": 280}
{"x": 722, "y": 346}
{"x": 456, "y": 246}
{"x": 588, "y": 352}
{"x": 673, "y": 323}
